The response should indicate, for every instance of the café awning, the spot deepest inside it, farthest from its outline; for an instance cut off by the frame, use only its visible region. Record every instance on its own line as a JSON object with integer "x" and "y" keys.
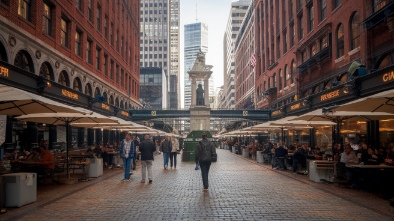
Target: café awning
{"x": 380, "y": 102}
{"x": 14, "y": 101}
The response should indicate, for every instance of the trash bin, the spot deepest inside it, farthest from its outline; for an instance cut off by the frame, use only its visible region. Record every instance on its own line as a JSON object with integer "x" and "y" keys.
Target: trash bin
{"x": 190, "y": 143}
{"x": 96, "y": 167}
{"x": 259, "y": 157}
{"x": 245, "y": 152}
{"x": 20, "y": 189}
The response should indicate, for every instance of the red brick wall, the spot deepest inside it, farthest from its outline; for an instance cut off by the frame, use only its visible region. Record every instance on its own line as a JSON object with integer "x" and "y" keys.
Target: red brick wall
{"x": 129, "y": 28}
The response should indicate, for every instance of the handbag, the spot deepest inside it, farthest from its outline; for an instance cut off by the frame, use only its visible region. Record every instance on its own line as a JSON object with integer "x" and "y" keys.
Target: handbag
{"x": 197, "y": 166}
{"x": 214, "y": 157}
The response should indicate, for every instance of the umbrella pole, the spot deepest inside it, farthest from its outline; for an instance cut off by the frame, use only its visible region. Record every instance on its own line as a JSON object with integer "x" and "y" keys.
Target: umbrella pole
{"x": 67, "y": 146}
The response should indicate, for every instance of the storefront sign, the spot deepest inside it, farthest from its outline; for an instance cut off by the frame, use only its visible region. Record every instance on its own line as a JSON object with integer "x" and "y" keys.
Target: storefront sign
{"x": 330, "y": 95}
{"x": 277, "y": 112}
{"x": 295, "y": 106}
{"x": 69, "y": 94}
{"x": 104, "y": 106}
{"x": 124, "y": 113}
{"x": 388, "y": 76}
{"x": 4, "y": 71}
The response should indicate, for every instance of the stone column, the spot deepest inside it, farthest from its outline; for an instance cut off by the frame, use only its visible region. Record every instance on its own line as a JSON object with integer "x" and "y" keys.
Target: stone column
{"x": 206, "y": 92}
{"x": 193, "y": 86}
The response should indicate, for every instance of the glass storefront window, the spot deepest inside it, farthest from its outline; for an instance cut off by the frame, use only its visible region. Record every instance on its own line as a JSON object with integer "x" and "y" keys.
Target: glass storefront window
{"x": 323, "y": 136}
{"x": 353, "y": 131}
{"x": 386, "y": 131}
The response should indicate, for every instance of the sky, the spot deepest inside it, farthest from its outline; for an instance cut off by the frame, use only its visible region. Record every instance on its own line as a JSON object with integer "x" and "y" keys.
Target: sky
{"x": 215, "y": 14}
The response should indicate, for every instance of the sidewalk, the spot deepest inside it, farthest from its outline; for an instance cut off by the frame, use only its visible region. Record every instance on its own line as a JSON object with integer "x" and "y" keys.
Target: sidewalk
{"x": 240, "y": 189}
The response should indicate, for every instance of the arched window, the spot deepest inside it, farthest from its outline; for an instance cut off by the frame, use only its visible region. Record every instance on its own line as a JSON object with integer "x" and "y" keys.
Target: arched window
{"x": 355, "y": 31}
{"x": 293, "y": 71}
{"x": 88, "y": 90}
{"x": 46, "y": 71}
{"x": 126, "y": 106}
{"x": 280, "y": 79}
{"x": 274, "y": 79}
{"x": 63, "y": 79}
{"x": 340, "y": 41}
{"x": 77, "y": 84}
{"x": 264, "y": 87}
{"x": 269, "y": 83}
{"x": 117, "y": 102}
{"x": 24, "y": 61}
{"x": 386, "y": 61}
{"x": 3, "y": 53}
{"x": 96, "y": 92}
{"x": 111, "y": 100}
{"x": 285, "y": 75}
{"x": 121, "y": 105}
{"x": 105, "y": 97}
{"x": 343, "y": 78}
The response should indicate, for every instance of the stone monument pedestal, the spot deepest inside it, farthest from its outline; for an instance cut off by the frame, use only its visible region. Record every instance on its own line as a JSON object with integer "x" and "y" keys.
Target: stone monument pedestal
{"x": 200, "y": 118}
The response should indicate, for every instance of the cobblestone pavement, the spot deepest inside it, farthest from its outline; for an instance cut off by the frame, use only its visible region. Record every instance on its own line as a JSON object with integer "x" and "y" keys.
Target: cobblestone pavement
{"x": 240, "y": 189}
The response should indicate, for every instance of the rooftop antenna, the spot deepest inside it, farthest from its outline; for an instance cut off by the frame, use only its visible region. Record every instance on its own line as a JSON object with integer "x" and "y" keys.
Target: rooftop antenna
{"x": 196, "y": 13}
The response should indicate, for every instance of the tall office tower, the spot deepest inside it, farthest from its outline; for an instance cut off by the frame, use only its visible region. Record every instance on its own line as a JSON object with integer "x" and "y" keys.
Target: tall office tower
{"x": 174, "y": 90}
{"x": 196, "y": 39}
{"x": 236, "y": 16}
{"x": 159, "y": 42}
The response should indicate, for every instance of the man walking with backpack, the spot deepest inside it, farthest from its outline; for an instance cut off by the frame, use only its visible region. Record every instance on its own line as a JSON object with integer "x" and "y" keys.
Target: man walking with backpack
{"x": 205, "y": 152}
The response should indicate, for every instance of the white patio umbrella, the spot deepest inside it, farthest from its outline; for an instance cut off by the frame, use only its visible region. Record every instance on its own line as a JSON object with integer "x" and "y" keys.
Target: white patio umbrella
{"x": 18, "y": 102}
{"x": 380, "y": 102}
{"x": 290, "y": 122}
{"x": 66, "y": 119}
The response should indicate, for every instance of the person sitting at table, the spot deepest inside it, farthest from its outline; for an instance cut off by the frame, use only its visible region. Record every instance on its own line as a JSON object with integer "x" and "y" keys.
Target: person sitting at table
{"x": 107, "y": 158}
{"x": 97, "y": 150}
{"x": 348, "y": 157}
{"x": 370, "y": 158}
{"x": 299, "y": 159}
{"x": 34, "y": 156}
{"x": 47, "y": 159}
{"x": 280, "y": 156}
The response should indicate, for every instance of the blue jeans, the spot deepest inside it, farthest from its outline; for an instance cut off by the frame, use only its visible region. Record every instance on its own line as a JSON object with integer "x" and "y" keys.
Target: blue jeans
{"x": 126, "y": 165}
{"x": 165, "y": 157}
{"x": 204, "y": 166}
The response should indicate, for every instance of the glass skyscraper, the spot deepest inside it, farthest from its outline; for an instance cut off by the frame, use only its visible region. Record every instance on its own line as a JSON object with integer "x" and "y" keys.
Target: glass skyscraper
{"x": 159, "y": 43}
{"x": 196, "y": 39}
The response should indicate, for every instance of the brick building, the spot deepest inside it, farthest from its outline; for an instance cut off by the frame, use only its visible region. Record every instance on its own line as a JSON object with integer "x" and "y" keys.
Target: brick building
{"x": 316, "y": 54}
{"x": 305, "y": 47}
{"x": 88, "y": 49}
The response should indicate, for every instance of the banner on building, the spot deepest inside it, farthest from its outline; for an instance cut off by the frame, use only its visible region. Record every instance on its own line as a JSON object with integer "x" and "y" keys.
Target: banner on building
{"x": 3, "y": 125}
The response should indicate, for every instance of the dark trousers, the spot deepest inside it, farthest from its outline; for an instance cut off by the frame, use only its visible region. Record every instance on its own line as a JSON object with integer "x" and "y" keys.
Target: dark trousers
{"x": 173, "y": 158}
{"x": 204, "y": 166}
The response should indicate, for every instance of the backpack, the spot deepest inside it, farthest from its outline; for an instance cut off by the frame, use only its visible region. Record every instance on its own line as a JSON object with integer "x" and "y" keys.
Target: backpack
{"x": 205, "y": 151}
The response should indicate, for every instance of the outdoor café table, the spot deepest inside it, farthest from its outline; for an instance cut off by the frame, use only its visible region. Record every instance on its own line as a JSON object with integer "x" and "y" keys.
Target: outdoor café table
{"x": 376, "y": 177}
{"x": 80, "y": 162}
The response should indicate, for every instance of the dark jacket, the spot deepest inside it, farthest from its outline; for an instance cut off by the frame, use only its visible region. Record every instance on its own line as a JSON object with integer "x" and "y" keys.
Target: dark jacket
{"x": 280, "y": 152}
{"x": 147, "y": 148}
{"x": 204, "y": 152}
{"x": 166, "y": 147}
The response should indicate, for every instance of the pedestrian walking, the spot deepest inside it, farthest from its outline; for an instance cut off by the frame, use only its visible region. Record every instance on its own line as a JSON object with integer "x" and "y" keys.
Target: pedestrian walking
{"x": 204, "y": 153}
{"x": 174, "y": 151}
{"x": 165, "y": 148}
{"x": 127, "y": 151}
{"x": 147, "y": 148}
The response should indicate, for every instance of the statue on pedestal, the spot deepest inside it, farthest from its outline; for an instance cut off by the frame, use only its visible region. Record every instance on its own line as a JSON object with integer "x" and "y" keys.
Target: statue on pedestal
{"x": 200, "y": 95}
